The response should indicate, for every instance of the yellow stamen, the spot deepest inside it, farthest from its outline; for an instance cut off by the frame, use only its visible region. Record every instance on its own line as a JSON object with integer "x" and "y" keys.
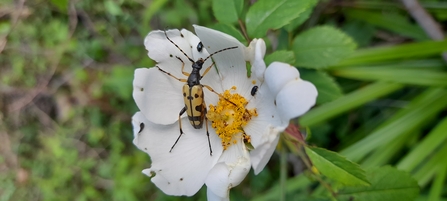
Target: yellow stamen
{"x": 229, "y": 117}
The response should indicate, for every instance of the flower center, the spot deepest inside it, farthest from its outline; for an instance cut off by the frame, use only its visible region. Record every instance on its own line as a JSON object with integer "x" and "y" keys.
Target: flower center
{"x": 229, "y": 117}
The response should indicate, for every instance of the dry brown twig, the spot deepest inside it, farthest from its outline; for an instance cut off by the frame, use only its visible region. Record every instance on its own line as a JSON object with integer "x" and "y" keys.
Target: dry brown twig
{"x": 425, "y": 20}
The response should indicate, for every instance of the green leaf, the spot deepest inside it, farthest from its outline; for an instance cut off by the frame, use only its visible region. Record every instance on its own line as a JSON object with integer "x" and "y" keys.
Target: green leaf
{"x": 281, "y": 55}
{"x": 302, "y": 18}
{"x": 148, "y": 13}
{"x": 405, "y": 51}
{"x": 347, "y": 102}
{"x": 5, "y": 27}
{"x": 387, "y": 184}
{"x": 404, "y": 76}
{"x": 337, "y": 167}
{"x": 361, "y": 32}
{"x": 426, "y": 64}
{"x": 119, "y": 82}
{"x": 437, "y": 188}
{"x": 62, "y": 5}
{"x": 273, "y": 14}
{"x": 112, "y": 8}
{"x": 423, "y": 107}
{"x": 227, "y": 11}
{"x": 392, "y": 22}
{"x": 436, "y": 138}
{"x": 322, "y": 46}
{"x": 328, "y": 89}
{"x": 387, "y": 151}
{"x": 298, "y": 183}
{"x": 427, "y": 170}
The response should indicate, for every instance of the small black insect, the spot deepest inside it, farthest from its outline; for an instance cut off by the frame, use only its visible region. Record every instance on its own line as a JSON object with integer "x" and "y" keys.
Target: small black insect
{"x": 254, "y": 90}
{"x": 200, "y": 47}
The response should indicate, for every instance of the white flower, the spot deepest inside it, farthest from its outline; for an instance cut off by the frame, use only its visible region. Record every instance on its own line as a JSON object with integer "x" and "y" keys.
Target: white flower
{"x": 236, "y": 118}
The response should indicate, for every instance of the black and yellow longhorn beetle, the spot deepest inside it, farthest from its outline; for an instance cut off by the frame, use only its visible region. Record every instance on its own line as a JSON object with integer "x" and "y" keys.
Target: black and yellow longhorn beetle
{"x": 193, "y": 95}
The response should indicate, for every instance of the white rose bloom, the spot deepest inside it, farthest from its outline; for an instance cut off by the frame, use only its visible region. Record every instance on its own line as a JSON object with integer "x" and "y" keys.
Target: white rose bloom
{"x": 238, "y": 118}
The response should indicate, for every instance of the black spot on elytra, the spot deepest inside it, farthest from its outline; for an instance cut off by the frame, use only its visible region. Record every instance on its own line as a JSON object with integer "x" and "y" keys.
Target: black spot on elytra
{"x": 141, "y": 127}
{"x": 196, "y": 95}
{"x": 190, "y": 98}
{"x": 184, "y": 94}
{"x": 199, "y": 108}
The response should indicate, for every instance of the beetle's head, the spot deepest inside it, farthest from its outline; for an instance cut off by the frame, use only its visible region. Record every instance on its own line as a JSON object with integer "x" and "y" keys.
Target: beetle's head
{"x": 198, "y": 64}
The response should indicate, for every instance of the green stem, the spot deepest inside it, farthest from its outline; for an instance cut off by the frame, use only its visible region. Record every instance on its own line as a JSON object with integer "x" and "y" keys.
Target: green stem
{"x": 283, "y": 172}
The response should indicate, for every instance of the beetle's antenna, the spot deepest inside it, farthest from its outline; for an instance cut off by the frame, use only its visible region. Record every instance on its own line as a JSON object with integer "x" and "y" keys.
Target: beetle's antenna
{"x": 228, "y": 48}
{"x": 178, "y": 46}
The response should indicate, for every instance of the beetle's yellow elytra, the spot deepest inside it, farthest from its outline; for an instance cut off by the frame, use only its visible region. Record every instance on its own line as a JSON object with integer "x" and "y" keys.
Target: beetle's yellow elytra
{"x": 194, "y": 103}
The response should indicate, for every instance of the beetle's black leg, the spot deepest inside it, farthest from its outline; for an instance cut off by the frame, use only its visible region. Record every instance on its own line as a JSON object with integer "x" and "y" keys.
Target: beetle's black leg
{"x": 180, "y": 126}
{"x": 179, "y": 79}
{"x": 207, "y": 133}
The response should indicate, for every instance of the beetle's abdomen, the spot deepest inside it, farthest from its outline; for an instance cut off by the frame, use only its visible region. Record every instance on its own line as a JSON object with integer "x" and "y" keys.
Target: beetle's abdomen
{"x": 195, "y": 105}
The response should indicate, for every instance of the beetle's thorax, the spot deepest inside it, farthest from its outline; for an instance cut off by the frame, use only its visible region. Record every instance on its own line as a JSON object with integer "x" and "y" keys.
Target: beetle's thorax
{"x": 194, "y": 77}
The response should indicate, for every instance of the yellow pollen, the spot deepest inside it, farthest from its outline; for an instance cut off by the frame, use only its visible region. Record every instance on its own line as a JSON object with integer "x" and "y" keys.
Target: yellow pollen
{"x": 229, "y": 117}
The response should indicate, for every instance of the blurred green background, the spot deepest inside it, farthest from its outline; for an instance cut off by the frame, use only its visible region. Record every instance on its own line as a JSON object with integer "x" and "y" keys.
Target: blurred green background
{"x": 66, "y": 70}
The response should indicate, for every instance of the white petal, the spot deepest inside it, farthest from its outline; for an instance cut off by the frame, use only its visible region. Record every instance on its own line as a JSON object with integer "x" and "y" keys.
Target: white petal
{"x": 139, "y": 86}
{"x": 278, "y": 74}
{"x": 211, "y": 196}
{"x": 264, "y": 129}
{"x": 138, "y": 124}
{"x": 262, "y": 154}
{"x": 229, "y": 172}
{"x": 193, "y": 42}
{"x": 230, "y": 63}
{"x": 184, "y": 170}
{"x": 158, "y": 96}
{"x": 268, "y": 118}
{"x": 251, "y": 50}
{"x": 257, "y": 48}
{"x": 164, "y": 52}
{"x": 295, "y": 99}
